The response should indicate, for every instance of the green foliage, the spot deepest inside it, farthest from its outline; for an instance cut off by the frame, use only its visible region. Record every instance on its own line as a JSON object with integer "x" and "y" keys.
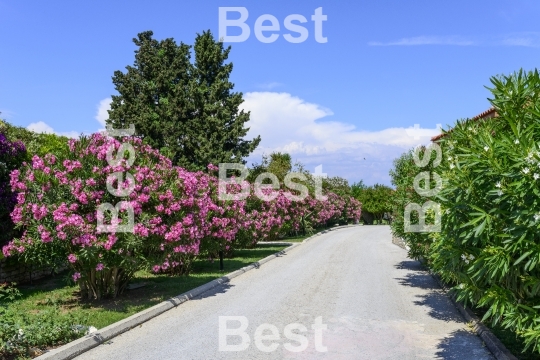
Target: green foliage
{"x": 277, "y": 163}
{"x": 357, "y": 188}
{"x": 21, "y": 331}
{"x": 489, "y": 243}
{"x": 36, "y": 143}
{"x": 8, "y": 293}
{"x": 376, "y": 199}
{"x": 337, "y": 185}
{"x": 187, "y": 110}
{"x": 280, "y": 164}
{"x": 402, "y": 175}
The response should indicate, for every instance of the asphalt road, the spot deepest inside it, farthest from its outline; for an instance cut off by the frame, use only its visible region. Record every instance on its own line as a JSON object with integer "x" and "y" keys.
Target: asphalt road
{"x": 375, "y": 302}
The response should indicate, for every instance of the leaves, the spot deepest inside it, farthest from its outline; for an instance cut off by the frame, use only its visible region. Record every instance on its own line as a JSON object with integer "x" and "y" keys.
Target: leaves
{"x": 187, "y": 109}
{"x": 490, "y": 243}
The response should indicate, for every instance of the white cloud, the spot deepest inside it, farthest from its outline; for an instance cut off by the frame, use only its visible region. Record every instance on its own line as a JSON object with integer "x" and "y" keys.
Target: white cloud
{"x": 528, "y": 39}
{"x": 102, "y": 113}
{"x": 41, "y": 127}
{"x": 289, "y": 124}
{"x": 426, "y": 40}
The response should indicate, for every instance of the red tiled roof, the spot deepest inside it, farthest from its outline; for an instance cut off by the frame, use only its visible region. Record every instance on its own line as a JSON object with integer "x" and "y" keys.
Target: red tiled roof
{"x": 485, "y": 115}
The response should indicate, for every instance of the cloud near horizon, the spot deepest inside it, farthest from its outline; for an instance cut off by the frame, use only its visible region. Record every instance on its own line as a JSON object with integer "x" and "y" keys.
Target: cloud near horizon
{"x": 41, "y": 127}
{"x": 289, "y": 124}
{"x": 102, "y": 115}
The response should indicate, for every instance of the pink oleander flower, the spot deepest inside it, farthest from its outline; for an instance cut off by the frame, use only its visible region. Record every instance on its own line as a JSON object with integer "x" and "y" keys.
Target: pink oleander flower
{"x": 76, "y": 276}
{"x": 72, "y": 258}
{"x": 99, "y": 267}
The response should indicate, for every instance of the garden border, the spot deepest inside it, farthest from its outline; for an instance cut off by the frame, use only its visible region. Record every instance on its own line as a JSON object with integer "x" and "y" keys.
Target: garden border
{"x": 88, "y": 342}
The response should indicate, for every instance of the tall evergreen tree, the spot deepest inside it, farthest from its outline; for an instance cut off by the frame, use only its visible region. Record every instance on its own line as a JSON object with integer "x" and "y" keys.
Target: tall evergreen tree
{"x": 187, "y": 110}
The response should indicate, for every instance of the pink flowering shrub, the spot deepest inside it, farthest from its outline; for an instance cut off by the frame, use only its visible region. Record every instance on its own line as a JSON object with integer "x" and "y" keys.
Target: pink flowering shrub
{"x": 57, "y": 209}
{"x": 12, "y": 154}
{"x": 266, "y": 219}
{"x": 353, "y": 209}
{"x": 177, "y": 215}
{"x": 194, "y": 222}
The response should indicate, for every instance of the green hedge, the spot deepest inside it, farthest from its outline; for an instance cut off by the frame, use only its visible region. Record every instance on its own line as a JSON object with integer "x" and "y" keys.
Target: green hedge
{"x": 489, "y": 244}
{"x": 36, "y": 143}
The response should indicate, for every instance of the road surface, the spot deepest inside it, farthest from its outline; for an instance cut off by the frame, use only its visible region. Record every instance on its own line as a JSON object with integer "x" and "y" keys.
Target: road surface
{"x": 375, "y": 302}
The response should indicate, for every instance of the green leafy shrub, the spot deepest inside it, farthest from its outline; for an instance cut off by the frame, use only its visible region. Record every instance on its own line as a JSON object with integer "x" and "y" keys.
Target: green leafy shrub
{"x": 376, "y": 200}
{"x": 21, "y": 331}
{"x": 489, "y": 244}
{"x": 402, "y": 175}
{"x": 36, "y": 143}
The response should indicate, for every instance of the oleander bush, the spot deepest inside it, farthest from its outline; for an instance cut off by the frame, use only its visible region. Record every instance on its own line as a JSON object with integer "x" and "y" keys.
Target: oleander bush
{"x": 18, "y": 145}
{"x": 489, "y": 244}
{"x": 12, "y": 154}
{"x": 177, "y": 214}
{"x": 57, "y": 211}
{"x": 403, "y": 174}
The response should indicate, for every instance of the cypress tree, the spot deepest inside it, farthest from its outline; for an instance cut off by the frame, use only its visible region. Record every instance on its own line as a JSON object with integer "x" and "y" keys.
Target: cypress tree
{"x": 187, "y": 110}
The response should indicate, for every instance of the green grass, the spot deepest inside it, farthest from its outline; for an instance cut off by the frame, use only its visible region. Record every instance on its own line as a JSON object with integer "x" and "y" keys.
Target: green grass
{"x": 55, "y": 293}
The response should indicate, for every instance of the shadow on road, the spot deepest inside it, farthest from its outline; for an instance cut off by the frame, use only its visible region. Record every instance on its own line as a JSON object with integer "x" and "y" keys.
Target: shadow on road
{"x": 440, "y": 307}
{"x": 409, "y": 265}
{"x": 221, "y": 289}
{"x": 460, "y": 345}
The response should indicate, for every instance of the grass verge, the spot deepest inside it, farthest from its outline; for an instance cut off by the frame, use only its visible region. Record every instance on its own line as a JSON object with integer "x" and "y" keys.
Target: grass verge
{"x": 54, "y": 297}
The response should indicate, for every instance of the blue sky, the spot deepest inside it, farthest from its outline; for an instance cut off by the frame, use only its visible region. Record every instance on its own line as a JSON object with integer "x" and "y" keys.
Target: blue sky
{"x": 387, "y": 65}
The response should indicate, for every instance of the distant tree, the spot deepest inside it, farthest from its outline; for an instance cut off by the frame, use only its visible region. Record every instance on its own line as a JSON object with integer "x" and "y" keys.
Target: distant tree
{"x": 356, "y": 188}
{"x": 276, "y": 163}
{"x": 280, "y": 164}
{"x": 376, "y": 201}
{"x": 185, "y": 109}
{"x": 337, "y": 185}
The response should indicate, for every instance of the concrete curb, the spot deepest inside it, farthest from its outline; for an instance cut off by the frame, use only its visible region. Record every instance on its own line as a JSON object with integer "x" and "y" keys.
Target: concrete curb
{"x": 493, "y": 343}
{"x": 79, "y": 346}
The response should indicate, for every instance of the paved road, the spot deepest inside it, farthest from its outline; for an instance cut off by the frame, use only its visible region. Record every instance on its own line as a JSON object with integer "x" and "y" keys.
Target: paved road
{"x": 376, "y": 303}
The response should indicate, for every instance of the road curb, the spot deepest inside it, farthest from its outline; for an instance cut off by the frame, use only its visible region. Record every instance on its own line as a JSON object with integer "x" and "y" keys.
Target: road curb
{"x": 88, "y": 342}
{"x": 327, "y": 231}
{"x": 493, "y": 343}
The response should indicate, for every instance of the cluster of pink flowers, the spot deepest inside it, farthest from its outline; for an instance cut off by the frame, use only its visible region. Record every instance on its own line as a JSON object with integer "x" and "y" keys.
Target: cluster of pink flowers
{"x": 177, "y": 212}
